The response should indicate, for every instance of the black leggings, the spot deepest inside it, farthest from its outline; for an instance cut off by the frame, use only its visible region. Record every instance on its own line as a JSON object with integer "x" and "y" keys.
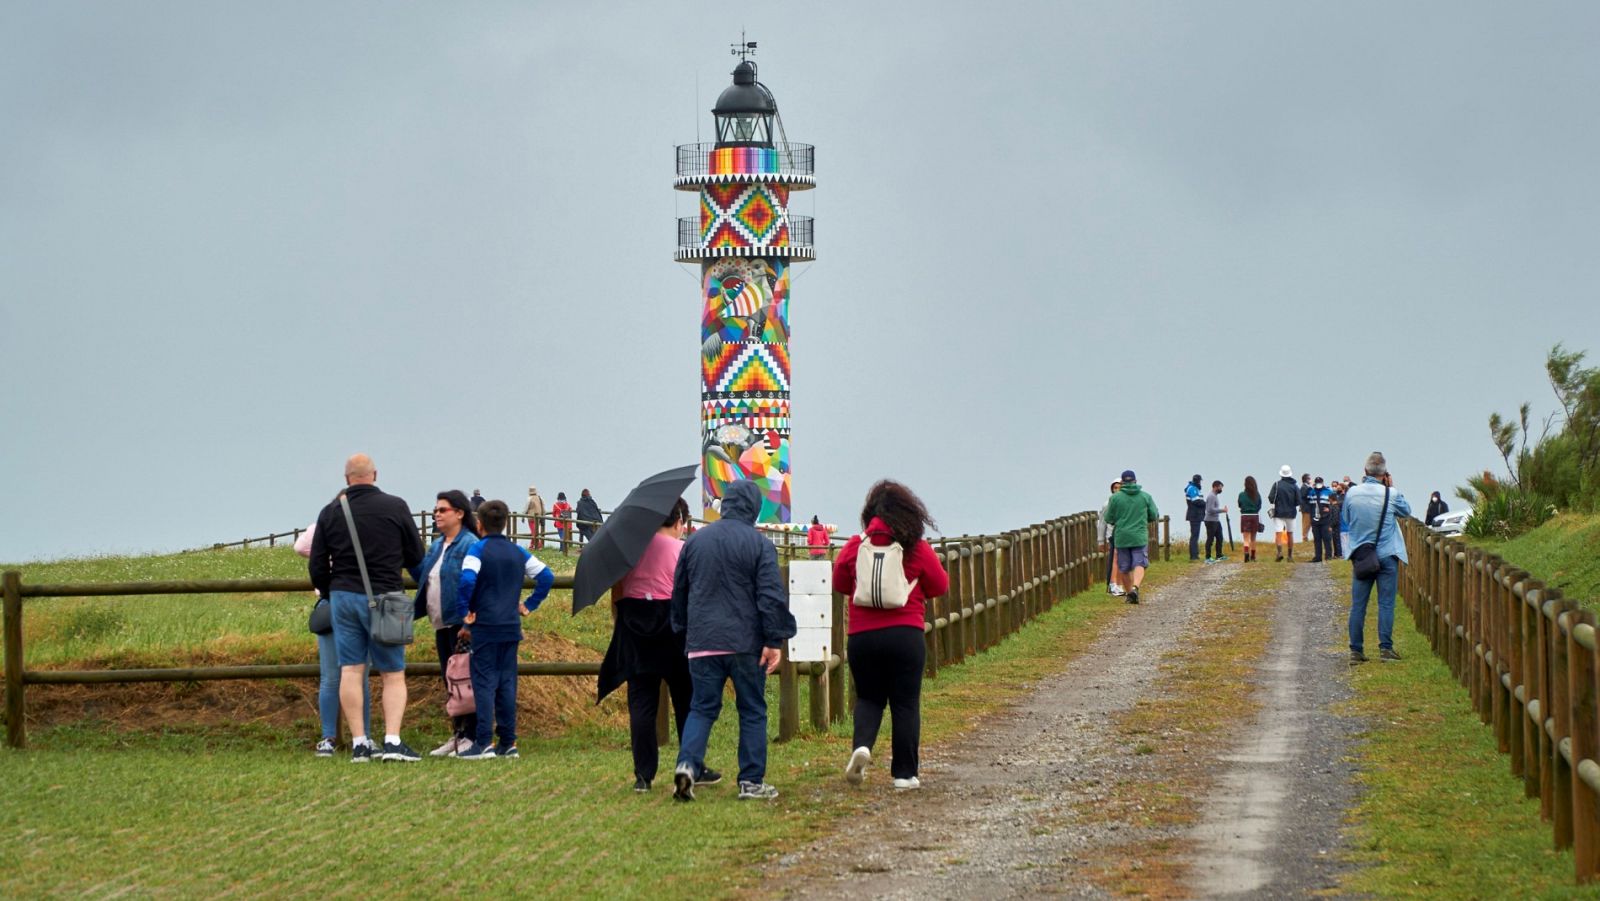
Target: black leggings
{"x": 466, "y": 725}
{"x": 886, "y": 665}
{"x": 1213, "y": 533}
{"x": 644, "y": 701}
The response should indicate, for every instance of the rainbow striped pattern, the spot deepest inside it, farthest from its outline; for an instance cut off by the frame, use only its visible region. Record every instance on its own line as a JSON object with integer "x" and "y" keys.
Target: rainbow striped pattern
{"x": 743, "y": 161}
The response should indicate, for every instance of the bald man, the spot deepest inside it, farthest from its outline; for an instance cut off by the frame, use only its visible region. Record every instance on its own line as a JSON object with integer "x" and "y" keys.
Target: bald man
{"x": 389, "y": 542}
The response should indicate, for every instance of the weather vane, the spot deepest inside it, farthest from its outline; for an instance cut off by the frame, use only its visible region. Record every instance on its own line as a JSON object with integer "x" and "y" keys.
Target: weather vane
{"x": 744, "y": 49}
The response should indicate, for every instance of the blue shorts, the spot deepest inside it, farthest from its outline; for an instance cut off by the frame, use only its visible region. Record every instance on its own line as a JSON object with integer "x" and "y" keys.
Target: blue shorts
{"x": 1130, "y": 558}
{"x": 352, "y": 635}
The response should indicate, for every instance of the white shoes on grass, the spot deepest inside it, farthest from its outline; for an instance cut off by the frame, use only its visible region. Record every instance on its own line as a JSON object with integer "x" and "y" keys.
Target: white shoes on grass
{"x": 856, "y": 769}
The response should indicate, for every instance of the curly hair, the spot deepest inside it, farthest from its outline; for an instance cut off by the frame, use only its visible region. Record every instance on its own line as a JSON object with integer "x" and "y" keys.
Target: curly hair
{"x": 900, "y": 509}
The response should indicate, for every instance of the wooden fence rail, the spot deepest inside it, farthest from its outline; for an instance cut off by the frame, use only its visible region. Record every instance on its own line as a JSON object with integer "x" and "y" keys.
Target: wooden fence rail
{"x": 1528, "y": 660}
{"x": 998, "y": 584}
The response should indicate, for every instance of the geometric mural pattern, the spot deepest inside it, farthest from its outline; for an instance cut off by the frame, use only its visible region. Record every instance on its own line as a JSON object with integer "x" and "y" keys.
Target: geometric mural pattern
{"x": 744, "y": 215}
{"x": 746, "y": 368}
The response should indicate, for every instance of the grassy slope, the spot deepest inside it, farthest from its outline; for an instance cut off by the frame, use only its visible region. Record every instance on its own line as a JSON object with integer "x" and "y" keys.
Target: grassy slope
{"x": 91, "y": 811}
{"x": 1440, "y": 815}
{"x": 1564, "y": 552}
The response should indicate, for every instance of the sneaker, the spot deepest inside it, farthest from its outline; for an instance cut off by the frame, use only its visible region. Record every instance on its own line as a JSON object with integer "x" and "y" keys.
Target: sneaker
{"x": 361, "y": 753}
{"x": 1115, "y": 591}
{"x": 1357, "y": 658}
{"x": 1133, "y": 596}
{"x": 708, "y": 776}
{"x": 463, "y": 745}
{"x": 856, "y": 769}
{"x": 908, "y": 784}
{"x": 641, "y": 784}
{"x": 506, "y": 753}
{"x": 757, "y": 791}
{"x": 325, "y": 748}
{"x": 1387, "y": 654}
{"x": 473, "y": 752}
{"x": 448, "y": 749}
{"x": 683, "y": 784}
{"x": 399, "y": 751}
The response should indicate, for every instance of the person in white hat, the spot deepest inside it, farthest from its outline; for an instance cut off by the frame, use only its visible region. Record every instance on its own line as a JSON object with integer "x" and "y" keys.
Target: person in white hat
{"x": 1285, "y": 500}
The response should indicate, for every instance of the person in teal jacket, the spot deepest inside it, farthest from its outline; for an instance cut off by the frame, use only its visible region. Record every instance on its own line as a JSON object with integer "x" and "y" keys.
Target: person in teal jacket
{"x": 1129, "y": 514}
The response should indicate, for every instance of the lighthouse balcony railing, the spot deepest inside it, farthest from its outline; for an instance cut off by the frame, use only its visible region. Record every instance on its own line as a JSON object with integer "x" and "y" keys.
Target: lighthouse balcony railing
{"x": 802, "y": 231}
{"x": 789, "y": 159}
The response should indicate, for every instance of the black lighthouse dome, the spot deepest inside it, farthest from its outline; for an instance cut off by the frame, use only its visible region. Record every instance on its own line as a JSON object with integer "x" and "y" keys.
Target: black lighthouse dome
{"x": 745, "y": 110}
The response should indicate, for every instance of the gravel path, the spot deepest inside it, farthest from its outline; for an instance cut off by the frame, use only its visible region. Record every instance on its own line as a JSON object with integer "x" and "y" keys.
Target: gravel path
{"x": 1271, "y": 825}
{"x": 996, "y": 815}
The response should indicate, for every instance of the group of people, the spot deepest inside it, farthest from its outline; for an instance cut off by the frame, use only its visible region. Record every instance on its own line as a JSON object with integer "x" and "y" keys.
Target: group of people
{"x": 585, "y": 518}
{"x": 694, "y": 614}
{"x": 1335, "y": 515}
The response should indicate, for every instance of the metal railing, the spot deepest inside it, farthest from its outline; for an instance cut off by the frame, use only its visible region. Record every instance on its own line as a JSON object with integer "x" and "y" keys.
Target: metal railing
{"x": 1529, "y": 661}
{"x": 791, "y": 159}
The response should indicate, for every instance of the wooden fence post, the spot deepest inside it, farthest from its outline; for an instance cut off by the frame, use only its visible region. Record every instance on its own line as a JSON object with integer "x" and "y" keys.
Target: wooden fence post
{"x": 1581, "y": 693}
{"x": 788, "y": 698}
{"x": 16, "y": 727}
{"x": 837, "y": 693}
{"x": 1526, "y": 591}
{"x": 1559, "y": 719}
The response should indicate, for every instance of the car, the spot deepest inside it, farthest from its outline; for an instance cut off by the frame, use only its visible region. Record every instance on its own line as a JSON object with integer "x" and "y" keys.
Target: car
{"x": 1452, "y": 523}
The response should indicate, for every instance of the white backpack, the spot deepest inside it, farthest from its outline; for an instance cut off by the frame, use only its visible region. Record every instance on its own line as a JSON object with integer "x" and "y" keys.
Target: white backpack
{"x": 881, "y": 576}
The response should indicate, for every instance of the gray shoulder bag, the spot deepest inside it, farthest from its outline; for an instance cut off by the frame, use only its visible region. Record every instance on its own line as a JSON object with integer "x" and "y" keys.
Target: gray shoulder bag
{"x": 391, "y": 611}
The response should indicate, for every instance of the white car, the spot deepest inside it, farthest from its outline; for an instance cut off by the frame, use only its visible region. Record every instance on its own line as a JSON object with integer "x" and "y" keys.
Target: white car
{"x": 1451, "y": 523}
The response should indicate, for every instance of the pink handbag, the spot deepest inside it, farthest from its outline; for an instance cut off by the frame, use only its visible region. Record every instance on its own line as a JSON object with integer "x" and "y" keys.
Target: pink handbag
{"x": 458, "y": 683}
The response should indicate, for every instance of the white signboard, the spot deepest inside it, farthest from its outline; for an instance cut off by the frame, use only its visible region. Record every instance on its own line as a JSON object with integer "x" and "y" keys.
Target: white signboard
{"x": 811, "y": 602}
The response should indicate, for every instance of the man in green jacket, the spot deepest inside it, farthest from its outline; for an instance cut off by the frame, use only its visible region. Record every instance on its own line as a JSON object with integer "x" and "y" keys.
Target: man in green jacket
{"x": 1129, "y": 514}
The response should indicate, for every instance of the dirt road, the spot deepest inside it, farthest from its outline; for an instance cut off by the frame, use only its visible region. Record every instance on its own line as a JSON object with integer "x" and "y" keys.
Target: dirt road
{"x": 1001, "y": 813}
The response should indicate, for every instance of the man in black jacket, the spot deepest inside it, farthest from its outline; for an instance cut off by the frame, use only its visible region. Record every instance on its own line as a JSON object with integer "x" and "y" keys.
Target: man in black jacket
{"x": 729, "y": 601}
{"x": 1285, "y": 500}
{"x": 389, "y": 543}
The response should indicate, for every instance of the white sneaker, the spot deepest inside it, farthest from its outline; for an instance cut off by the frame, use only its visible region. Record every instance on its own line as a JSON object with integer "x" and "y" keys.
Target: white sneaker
{"x": 856, "y": 769}
{"x": 463, "y": 745}
{"x": 448, "y": 749}
{"x": 907, "y": 784}
{"x": 1116, "y": 590}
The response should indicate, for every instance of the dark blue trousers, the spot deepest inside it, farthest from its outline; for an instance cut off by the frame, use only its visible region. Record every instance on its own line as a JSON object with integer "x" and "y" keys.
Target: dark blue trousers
{"x": 494, "y": 690}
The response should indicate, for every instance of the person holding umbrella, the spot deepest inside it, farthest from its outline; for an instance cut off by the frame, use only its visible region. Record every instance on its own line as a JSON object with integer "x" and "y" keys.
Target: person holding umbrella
{"x": 645, "y": 652}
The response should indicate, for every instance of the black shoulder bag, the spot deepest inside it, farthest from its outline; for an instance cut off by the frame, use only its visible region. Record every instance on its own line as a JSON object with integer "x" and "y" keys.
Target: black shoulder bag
{"x": 1364, "y": 563}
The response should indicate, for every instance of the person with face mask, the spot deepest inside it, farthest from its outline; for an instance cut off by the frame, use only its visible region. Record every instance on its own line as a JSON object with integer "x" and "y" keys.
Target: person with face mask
{"x": 1436, "y": 508}
{"x": 1319, "y": 500}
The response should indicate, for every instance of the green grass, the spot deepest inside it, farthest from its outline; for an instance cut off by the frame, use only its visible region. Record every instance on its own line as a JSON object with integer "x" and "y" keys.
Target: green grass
{"x": 1564, "y": 552}
{"x": 1441, "y": 816}
{"x": 191, "y": 812}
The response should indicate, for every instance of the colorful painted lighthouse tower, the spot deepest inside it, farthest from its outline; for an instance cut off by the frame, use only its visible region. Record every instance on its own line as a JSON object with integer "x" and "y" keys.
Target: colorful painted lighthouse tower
{"x": 745, "y": 240}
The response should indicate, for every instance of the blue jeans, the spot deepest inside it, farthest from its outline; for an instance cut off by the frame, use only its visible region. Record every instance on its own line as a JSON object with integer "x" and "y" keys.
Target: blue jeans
{"x": 709, "y": 675}
{"x": 1361, "y": 590}
{"x": 494, "y": 691}
{"x": 328, "y": 690}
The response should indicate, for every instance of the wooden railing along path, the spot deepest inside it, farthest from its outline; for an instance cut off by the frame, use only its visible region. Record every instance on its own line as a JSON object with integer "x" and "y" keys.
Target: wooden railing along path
{"x": 1528, "y": 659}
{"x": 998, "y": 583}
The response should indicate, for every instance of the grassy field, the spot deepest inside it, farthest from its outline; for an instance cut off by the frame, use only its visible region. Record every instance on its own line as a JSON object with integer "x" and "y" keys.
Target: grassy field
{"x": 243, "y": 809}
{"x": 1440, "y": 816}
{"x": 1564, "y": 552}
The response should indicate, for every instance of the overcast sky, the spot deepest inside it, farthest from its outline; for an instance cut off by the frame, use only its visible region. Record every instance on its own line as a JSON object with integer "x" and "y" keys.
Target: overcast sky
{"x": 241, "y": 241}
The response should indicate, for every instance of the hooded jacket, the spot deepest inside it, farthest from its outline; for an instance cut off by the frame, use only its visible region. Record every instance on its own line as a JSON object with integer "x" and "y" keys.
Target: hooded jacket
{"x": 1129, "y": 513}
{"x": 588, "y": 512}
{"x": 921, "y": 565}
{"x": 535, "y": 505}
{"x": 727, "y": 592}
{"x": 1285, "y": 498}
{"x": 1194, "y": 498}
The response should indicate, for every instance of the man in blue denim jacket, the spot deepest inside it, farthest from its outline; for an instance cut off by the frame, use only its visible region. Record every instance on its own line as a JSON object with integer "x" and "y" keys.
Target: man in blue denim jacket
{"x": 1360, "y": 515}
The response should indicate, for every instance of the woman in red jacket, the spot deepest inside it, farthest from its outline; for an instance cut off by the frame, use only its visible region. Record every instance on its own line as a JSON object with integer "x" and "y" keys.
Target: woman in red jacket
{"x": 886, "y": 650}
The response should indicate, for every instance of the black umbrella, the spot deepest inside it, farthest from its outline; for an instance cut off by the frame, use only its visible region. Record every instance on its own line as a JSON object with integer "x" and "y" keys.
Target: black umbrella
{"x": 616, "y": 548}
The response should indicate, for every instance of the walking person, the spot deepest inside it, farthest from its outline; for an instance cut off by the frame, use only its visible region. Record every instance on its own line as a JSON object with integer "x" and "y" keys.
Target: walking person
{"x": 1370, "y": 514}
{"x": 476, "y": 500}
{"x": 728, "y": 601}
{"x": 534, "y": 510}
{"x": 817, "y": 539}
{"x": 1194, "y": 513}
{"x": 438, "y": 581}
{"x": 562, "y": 514}
{"x": 328, "y": 672}
{"x": 1249, "y": 517}
{"x": 1305, "y": 507}
{"x": 1336, "y": 490}
{"x": 487, "y": 602}
{"x": 588, "y": 514}
{"x": 1284, "y": 496}
{"x": 389, "y": 543}
{"x": 645, "y": 652}
{"x": 1113, "y": 584}
{"x": 1215, "y": 510}
{"x": 1436, "y": 508}
{"x": 886, "y": 650}
{"x": 1323, "y": 525}
{"x": 1130, "y": 513}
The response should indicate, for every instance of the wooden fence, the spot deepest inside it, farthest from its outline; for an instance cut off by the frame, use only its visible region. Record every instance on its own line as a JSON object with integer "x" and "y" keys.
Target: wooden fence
{"x": 998, "y": 583}
{"x": 1528, "y": 659}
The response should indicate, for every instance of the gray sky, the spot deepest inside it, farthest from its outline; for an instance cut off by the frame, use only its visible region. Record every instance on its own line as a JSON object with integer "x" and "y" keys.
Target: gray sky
{"x": 240, "y": 241}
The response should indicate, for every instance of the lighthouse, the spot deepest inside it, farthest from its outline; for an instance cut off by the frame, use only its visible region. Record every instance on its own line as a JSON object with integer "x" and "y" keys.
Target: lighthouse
{"x": 746, "y": 241}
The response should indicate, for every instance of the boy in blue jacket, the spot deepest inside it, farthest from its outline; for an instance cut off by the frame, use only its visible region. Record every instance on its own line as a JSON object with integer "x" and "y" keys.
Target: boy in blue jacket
{"x": 491, "y": 583}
